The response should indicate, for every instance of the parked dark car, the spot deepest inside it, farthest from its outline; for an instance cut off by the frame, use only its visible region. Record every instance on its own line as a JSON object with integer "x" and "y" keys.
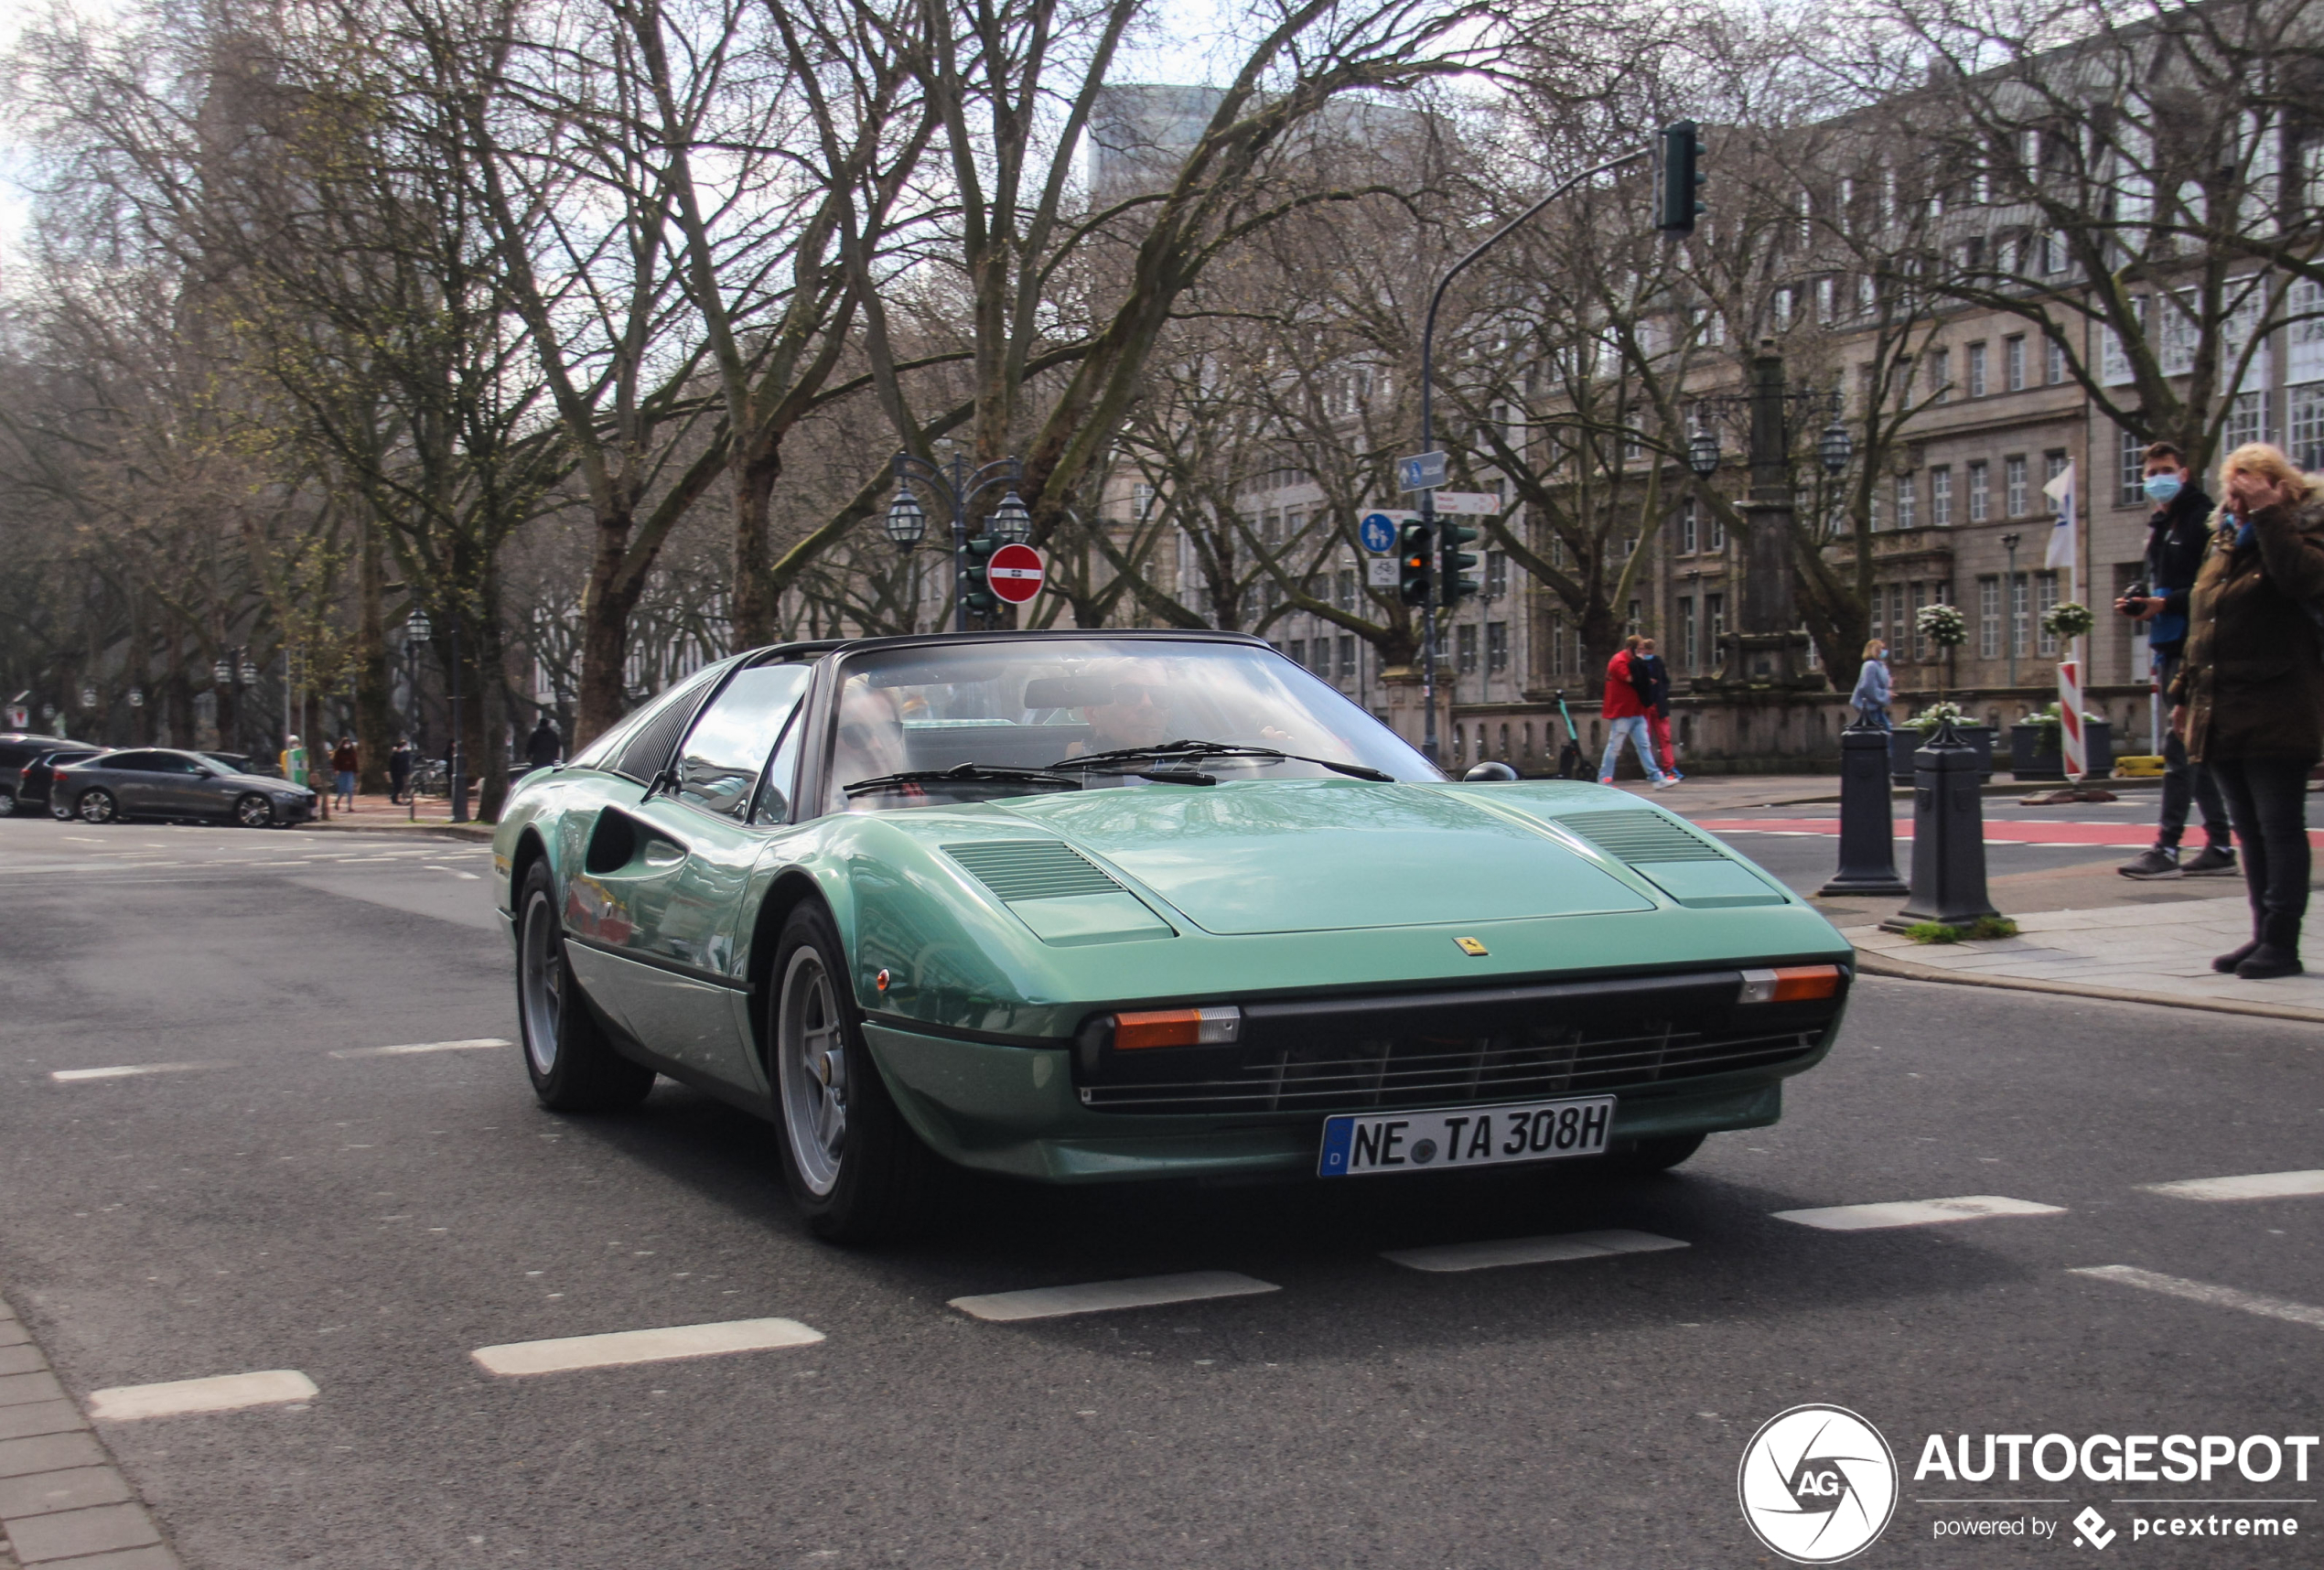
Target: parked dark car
{"x": 34, "y": 780}
{"x": 18, "y": 751}
{"x": 157, "y": 782}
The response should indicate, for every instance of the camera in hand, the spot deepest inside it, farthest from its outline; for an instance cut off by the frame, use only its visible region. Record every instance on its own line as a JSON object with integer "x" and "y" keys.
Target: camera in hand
{"x": 2128, "y": 605}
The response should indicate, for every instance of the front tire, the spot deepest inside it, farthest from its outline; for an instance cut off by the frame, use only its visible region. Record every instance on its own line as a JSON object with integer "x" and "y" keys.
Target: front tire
{"x": 97, "y": 806}
{"x": 568, "y": 1054}
{"x": 254, "y": 811}
{"x": 856, "y": 1170}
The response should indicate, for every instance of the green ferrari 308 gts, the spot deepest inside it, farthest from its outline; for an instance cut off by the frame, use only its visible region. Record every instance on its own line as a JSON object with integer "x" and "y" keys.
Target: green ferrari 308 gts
{"x": 1094, "y": 906}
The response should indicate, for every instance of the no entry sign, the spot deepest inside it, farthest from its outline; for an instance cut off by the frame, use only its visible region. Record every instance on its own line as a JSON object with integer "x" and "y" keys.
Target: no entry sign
{"x": 1015, "y": 573}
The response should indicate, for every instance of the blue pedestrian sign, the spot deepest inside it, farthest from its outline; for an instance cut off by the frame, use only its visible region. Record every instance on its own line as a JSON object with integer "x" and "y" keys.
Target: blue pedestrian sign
{"x": 1424, "y": 471}
{"x": 1378, "y": 531}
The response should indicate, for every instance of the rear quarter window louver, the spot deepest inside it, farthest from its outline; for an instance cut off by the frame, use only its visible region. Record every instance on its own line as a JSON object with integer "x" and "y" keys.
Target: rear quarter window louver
{"x": 1032, "y": 869}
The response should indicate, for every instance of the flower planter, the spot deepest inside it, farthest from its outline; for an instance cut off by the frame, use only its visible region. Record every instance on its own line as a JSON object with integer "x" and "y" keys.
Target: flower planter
{"x": 2028, "y": 763}
{"x": 1904, "y": 742}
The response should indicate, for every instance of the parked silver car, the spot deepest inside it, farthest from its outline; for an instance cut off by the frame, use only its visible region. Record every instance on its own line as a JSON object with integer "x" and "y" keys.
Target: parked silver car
{"x": 157, "y": 782}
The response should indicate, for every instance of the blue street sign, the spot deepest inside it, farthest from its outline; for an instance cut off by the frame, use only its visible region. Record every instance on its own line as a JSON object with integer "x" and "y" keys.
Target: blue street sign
{"x": 1378, "y": 531}
{"x": 1425, "y": 471}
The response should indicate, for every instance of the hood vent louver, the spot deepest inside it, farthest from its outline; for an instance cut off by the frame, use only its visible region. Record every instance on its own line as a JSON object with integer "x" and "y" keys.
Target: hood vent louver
{"x": 1639, "y": 838}
{"x": 1032, "y": 869}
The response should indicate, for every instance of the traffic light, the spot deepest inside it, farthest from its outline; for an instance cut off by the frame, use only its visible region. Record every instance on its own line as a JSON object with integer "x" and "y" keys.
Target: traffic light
{"x": 977, "y": 592}
{"x": 1453, "y": 561}
{"x": 1415, "y": 564}
{"x": 1676, "y": 203}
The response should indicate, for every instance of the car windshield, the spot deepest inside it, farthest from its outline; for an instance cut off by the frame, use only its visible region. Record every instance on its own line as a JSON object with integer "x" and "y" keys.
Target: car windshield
{"x": 980, "y": 710}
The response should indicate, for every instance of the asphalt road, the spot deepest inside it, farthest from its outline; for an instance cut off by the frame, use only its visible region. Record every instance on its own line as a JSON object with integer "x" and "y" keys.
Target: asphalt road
{"x": 372, "y": 1220}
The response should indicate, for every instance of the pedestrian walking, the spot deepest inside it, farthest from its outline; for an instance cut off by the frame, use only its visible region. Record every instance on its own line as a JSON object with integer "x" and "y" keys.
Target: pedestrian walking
{"x": 1625, "y": 715}
{"x": 1653, "y": 679}
{"x": 344, "y": 763}
{"x": 399, "y": 771}
{"x": 544, "y": 747}
{"x": 1870, "y": 699}
{"x": 2249, "y": 700}
{"x": 2176, "y": 537}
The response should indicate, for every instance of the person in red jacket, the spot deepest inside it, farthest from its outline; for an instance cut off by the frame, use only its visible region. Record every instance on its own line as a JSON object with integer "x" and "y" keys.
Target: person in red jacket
{"x": 1625, "y": 713}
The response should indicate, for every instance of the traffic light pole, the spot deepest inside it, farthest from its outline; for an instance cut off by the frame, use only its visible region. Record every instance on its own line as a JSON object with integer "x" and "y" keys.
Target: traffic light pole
{"x": 1429, "y": 422}
{"x": 960, "y": 490}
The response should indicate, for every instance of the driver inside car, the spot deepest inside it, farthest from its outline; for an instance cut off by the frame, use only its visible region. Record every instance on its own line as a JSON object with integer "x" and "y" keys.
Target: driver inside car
{"x": 1134, "y": 706}
{"x": 869, "y": 741}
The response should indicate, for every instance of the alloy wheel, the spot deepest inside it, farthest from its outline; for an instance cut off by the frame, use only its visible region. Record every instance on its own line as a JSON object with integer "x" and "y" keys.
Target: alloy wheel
{"x": 543, "y": 983}
{"x": 812, "y": 1046}
{"x": 254, "y": 813}
{"x": 96, "y": 807}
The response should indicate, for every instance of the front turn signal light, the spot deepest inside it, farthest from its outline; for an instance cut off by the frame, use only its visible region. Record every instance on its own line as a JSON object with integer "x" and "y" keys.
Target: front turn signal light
{"x": 1791, "y": 984}
{"x": 1177, "y": 1027}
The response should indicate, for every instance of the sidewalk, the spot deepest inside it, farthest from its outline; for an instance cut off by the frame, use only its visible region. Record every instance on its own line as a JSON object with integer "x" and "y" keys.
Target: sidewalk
{"x": 376, "y": 814}
{"x": 2145, "y": 952}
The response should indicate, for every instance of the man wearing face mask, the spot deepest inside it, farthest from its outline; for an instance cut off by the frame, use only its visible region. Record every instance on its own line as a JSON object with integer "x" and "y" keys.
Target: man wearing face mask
{"x": 2176, "y": 540}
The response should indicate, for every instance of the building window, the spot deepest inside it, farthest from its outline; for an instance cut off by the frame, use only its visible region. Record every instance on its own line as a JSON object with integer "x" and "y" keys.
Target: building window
{"x": 1631, "y": 629}
{"x": 1347, "y": 659}
{"x": 2303, "y": 431}
{"x": 2053, "y": 255}
{"x": 2013, "y": 470}
{"x": 1980, "y": 491}
{"x": 2053, "y": 464}
{"x": 1941, "y": 374}
{"x": 2019, "y": 619}
{"x": 1346, "y": 591}
{"x": 1465, "y": 641}
{"x": 1718, "y": 529}
{"x": 1989, "y": 618}
{"x": 1977, "y": 370}
{"x": 1497, "y": 574}
{"x": 2045, "y": 601}
{"x": 2013, "y": 361}
{"x": 1714, "y": 612}
{"x": 2247, "y": 419}
{"x": 1908, "y": 503}
{"x": 1497, "y": 646}
{"x": 2053, "y": 364}
{"x": 1919, "y": 638}
{"x": 1686, "y": 524}
{"x": 1689, "y": 637}
{"x": 1940, "y": 496}
{"x": 2130, "y": 470}
{"x": 1557, "y": 645}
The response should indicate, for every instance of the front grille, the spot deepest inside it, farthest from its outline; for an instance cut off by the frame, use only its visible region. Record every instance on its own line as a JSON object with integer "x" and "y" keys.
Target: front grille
{"x": 1450, "y": 1050}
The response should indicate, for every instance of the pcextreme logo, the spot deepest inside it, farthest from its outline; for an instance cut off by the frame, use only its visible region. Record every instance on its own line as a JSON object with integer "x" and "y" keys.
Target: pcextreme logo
{"x": 1817, "y": 1484}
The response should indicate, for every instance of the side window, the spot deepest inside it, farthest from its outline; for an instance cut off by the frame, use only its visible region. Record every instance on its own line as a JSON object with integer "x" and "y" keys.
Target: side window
{"x": 136, "y": 762}
{"x": 783, "y": 778}
{"x": 718, "y": 766}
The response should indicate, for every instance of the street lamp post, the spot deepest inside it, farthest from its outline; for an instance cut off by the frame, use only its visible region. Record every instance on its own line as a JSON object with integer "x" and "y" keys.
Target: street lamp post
{"x": 2009, "y": 604}
{"x": 958, "y": 487}
{"x": 416, "y": 631}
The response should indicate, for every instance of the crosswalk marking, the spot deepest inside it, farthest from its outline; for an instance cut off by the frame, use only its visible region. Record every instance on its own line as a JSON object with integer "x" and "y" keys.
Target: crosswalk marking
{"x": 1530, "y": 1251}
{"x": 1915, "y": 1212}
{"x": 2204, "y": 1291}
{"x": 1102, "y": 1296}
{"x": 124, "y": 1070}
{"x": 221, "y": 1392}
{"x": 474, "y": 1044}
{"x": 621, "y": 1348}
{"x": 2251, "y": 1185}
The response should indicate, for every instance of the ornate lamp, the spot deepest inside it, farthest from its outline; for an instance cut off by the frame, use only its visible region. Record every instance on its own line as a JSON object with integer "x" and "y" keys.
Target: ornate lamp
{"x": 1011, "y": 523}
{"x": 1835, "y": 448}
{"x": 1702, "y": 453}
{"x": 907, "y": 524}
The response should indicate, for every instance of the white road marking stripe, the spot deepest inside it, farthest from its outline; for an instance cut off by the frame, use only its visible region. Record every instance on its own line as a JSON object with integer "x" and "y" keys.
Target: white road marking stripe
{"x": 1915, "y": 1212}
{"x": 2251, "y": 1185}
{"x": 225, "y": 1392}
{"x": 2204, "y": 1292}
{"x": 1530, "y": 1251}
{"x": 124, "y": 1070}
{"x": 1101, "y": 1296}
{"x": 474, "y": 1044}
{"x": 624, "y": 1346}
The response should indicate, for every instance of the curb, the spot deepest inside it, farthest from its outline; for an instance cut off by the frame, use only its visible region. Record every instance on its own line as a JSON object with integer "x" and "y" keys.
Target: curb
{"x": 62, "y": 1500}
{"x": 1905, "y": 969}
{"x": 437, "y": 831}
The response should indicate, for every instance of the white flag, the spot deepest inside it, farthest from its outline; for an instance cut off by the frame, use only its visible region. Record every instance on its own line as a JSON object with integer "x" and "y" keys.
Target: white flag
{"x": 2061, "y": 533}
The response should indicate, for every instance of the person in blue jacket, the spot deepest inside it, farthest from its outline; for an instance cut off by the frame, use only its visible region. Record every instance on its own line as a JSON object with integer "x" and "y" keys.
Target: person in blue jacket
{"x": 1870, "y": 699}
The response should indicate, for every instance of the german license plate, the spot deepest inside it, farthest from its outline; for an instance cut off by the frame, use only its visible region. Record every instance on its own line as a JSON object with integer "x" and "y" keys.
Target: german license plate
{"x": 1358, "y": 1146}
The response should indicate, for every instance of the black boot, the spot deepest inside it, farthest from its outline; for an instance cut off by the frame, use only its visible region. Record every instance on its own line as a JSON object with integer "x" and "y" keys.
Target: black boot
{"x": 2278, "y": 953}
{"x": 2225, "y": 964}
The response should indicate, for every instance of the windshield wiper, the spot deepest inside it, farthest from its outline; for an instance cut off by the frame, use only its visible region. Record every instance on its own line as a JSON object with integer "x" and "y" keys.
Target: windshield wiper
{"x": 994, "y": 773}
{"x": 1101, "y": 760}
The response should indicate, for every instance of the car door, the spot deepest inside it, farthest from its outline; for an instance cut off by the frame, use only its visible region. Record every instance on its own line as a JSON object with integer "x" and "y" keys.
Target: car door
{"x": 672, "y": 868}
{"x": 182, "y": 787}
{"x": 134, "y": 780}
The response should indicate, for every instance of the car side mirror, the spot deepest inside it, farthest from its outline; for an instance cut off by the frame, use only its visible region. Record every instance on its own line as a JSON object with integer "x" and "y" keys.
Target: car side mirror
{"x": 1492, "y": 771}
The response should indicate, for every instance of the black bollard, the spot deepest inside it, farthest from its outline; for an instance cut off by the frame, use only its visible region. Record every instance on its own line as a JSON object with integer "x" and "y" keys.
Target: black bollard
{"x": 1868, "y": 824}
{"x": 1948, "y": 835}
